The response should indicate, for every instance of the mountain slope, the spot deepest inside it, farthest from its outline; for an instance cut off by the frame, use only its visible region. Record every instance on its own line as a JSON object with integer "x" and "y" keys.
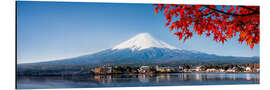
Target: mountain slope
{"x": 142, "y": 49}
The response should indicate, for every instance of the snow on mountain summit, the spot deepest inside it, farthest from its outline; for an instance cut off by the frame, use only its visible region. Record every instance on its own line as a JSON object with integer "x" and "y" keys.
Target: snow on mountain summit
{"x": 143, "y": 41}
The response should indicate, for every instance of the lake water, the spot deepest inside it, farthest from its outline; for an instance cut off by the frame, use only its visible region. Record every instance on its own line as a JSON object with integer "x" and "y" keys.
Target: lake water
{"x": 133, "y": 80}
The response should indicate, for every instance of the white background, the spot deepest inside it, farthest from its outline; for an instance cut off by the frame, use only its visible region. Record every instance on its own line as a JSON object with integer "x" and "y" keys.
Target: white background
{"x": 7, "y": 44}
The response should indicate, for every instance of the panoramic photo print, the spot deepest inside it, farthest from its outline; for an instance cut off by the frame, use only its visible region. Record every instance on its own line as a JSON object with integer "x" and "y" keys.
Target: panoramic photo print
{"x": 97, "y": 45}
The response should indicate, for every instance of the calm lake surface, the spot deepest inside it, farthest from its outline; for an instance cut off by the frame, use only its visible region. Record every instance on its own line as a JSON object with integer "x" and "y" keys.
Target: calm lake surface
{"x": 133, "y": 80}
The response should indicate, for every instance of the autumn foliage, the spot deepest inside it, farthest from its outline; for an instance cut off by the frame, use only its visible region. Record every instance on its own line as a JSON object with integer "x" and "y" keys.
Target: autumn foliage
{"x": 217, "y": 22}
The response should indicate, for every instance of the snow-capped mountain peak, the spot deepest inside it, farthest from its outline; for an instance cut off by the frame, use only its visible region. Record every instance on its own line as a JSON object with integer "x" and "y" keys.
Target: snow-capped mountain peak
{"x": 143, "y": 41}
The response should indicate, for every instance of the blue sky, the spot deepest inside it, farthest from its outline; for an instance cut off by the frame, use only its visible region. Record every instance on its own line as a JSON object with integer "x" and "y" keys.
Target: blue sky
{"x": 55, "y": 30}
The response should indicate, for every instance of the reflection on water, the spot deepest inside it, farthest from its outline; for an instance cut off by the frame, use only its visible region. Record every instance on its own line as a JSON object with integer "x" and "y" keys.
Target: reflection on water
{"x": 128, "y": 80}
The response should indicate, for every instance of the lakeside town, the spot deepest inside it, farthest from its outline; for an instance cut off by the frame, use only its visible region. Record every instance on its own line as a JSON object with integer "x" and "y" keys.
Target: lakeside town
{"x": 144, "y": 69}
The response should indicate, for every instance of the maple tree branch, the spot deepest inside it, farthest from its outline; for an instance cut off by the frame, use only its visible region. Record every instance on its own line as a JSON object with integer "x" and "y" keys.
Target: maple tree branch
{"x": 232, "y": 14}
{"x": 249, "y": 8}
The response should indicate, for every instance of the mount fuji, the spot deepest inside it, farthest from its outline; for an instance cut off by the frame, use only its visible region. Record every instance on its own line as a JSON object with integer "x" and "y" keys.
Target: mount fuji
{"x": 145, "y": 49}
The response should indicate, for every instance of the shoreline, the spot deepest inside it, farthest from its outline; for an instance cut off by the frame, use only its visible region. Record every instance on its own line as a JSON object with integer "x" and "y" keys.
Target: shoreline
{"x": 130, "y": 74}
